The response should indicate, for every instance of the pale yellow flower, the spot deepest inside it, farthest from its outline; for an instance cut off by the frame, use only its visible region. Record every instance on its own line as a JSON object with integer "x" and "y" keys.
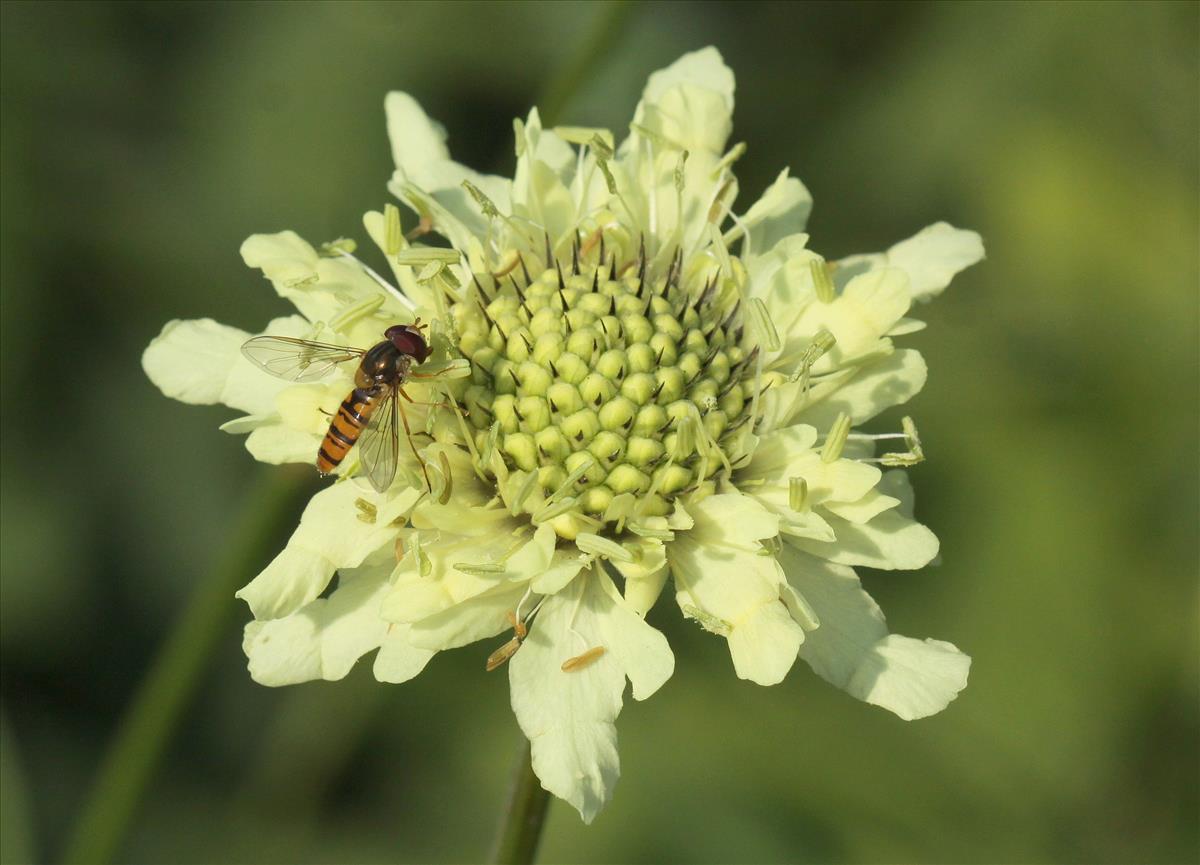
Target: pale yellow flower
{"x": 663, "y": 389}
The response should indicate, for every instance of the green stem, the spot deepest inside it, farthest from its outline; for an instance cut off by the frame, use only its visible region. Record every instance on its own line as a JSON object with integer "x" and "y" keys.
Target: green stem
{"x": 521, "y": 828}
{"x": 606, "y": 29}
{"x": 171, "y": 682}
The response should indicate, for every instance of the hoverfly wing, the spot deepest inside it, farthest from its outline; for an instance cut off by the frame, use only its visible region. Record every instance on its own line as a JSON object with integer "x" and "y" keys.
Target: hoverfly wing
{"x": 379, "y": 446}
{"x": 296, "y": 359}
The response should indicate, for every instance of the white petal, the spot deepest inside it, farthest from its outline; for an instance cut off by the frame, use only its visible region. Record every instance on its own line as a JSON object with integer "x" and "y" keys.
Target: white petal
{"x": 891, "y": 541}
{"x": 858, "y": 318}
{"x": 541, "y": 181}
{"x": 868, "y": 390}
{"x": 476, "y": 618}
{"x": 330, "y": 536}
{"x": 324, "y": 639}
{"x": 782, "y": 211}
{"x": 398, "y": 660}
{"x": 568, "y": 715}
{"x": 417, "y": 142}
{"x": 645, "y": 578}
{"x": 703, "y": 68}
{"x": 200, "y": 362}
{"x": 933, "y": 256}
{"x": 853, "y": 650}
{"x": 191, "y": 360}
{"x": 429, "y": 181}
{"x": 293, "y": 267}
{"x": 642, "y": 651}
{"x": 913, "y": 678}
{"x": 721, "y": 570}
{"x": 764, "y": 644}
{"x": 276, "y": 443}
{"x": 865, "y": 509}
{"x": 687, "y": 107}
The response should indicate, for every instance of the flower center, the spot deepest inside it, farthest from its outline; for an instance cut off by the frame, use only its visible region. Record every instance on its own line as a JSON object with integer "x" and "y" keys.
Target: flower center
{"x": 610, "y": 388}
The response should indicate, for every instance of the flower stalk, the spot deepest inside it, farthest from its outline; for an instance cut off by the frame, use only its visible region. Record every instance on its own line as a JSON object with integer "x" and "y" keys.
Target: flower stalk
{"x": 524, "y": 818}
{"x": 170, "y": 684}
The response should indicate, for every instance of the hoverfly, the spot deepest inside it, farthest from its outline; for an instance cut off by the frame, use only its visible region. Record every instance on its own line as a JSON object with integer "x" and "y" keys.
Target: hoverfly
{"x": 368, "y": 416}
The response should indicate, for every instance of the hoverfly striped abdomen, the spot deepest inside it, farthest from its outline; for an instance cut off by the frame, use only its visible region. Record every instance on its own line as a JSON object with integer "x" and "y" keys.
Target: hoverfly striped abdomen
{"x": 347, "y": 425}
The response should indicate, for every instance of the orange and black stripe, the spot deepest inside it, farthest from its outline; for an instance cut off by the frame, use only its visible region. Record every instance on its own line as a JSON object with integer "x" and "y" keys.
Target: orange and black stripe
{"x": 345, "y": 428}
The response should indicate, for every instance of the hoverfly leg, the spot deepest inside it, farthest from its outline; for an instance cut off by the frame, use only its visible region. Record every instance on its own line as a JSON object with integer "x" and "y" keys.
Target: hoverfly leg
{"x": 404, "y": 394}
{"x": 408, "y": 435}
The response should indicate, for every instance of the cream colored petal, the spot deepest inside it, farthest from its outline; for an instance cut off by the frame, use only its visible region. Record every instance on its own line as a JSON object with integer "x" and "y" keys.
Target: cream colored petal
{"x": 293, "y": 267}
{"x": 868, "y": 390}
{"x": 569, "y": 715}
{"x": 322, "y": 640}
{"x": 791, "y": 453}
{"x": 724, "y": 578}
{"x": 853, "y": 650}
{"x": 891, "y": 541}
{"x": 641, "y": 651}
{"x": 865, "y": 509}
{"x": 398, "y": 660}
{"x": 477, "y": 618}
{"x": 645, "y": 577}
{"x": 702, "y": 68}
{"x": 563, "y": 567}
{"x": 191, "y": 360}
{"x": 276, "y": 443}
{"x": 781, "y": 211}
{"x": 858, "y": 318}
{"x": 933, "y": 256}
{"x": 429, "y": 181}
{"x": 764, "y": 644}
{"x": 201, "y": 362}
{"x": 330, "y": 536}
{"x": 417, "y": 142}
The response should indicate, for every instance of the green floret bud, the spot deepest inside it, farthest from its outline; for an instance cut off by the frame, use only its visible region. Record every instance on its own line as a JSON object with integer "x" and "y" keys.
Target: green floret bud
{"x": 612, "y": 396}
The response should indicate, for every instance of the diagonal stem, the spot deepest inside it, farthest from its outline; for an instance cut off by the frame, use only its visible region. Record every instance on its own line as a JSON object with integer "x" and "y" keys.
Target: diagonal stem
{"x": 171, "y": 682}
{"x": 607, "y": 27}
{"x": 521, "y": 828}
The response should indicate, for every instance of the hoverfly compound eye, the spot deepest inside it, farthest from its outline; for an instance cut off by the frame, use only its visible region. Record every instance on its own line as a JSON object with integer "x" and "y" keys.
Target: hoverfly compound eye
{"x": 408, "y": 340}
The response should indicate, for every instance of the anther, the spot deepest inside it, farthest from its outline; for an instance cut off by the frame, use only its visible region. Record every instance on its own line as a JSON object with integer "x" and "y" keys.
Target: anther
{"x": 596, "y": 280}
{"x": 836, "y": 439}
{"x": 516, "y": 380}
{"x": 821, "y": 281}
{"x": 528, "y": 344}
{"x": 553, "y": 368}
{"x": 575, "y": 255}
{"x": 797, "y": 493}
{"x": 580, "y": 661}
{"x": 562, "y": 283}
{"x": 524, "y": 269}
{"x": 549, "y": 252}
{"x": 641, "y": 265}
{"x": 600, "y": 254}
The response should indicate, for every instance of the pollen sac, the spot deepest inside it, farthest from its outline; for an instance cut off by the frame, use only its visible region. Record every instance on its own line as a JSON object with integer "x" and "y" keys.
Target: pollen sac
{"x": 619, "y": 380}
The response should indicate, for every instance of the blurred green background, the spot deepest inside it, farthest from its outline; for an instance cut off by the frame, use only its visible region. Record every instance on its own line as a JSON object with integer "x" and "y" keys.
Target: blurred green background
{"x": 142, "y": 142}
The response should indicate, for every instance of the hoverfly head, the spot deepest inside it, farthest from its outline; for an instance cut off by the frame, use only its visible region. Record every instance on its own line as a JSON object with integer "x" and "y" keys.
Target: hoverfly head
{"x": 409, "y": 340}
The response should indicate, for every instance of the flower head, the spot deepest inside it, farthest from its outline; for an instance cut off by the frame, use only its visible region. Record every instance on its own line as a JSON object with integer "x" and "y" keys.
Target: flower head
{"x": 642, "y": 385}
